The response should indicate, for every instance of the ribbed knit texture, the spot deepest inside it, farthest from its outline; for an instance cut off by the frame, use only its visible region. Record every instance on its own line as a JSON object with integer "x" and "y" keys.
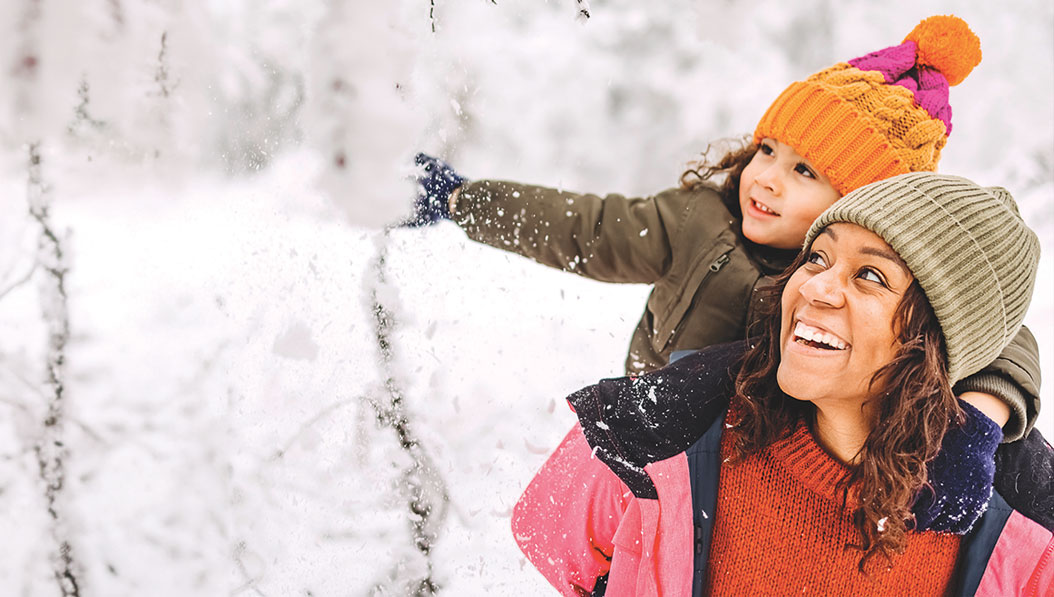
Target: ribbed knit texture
{"x": 967, "y": 246}
{"x": 854, "y": 127}
{"x": 780, "y": 529}
{"x": 879, "y": 115}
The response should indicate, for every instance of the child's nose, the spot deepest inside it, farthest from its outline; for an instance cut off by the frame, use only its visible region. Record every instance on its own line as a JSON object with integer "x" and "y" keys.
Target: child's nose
{"x": 771, "y": 178}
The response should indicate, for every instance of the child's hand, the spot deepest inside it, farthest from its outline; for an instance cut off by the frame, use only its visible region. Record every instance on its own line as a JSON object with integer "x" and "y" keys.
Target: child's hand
{"x": 961, "y": 475}
{"x": 992, "y": 407}
{"x": 437, "y": 186}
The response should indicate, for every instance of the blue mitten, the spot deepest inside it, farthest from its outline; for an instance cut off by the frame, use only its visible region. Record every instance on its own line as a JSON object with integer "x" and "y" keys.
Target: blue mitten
{"x": 961, "y": 476}
{"x": 435, "y": 180}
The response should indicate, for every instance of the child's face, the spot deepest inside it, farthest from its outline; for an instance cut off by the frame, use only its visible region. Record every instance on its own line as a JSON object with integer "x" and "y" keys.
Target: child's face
{"x": 780, "y": 194}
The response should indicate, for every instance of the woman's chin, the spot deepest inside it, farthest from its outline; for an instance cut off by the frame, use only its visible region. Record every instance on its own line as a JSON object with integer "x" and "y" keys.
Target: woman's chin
{"x": 809, "y": 381}
{"x": 805, "y": 372}
{"x": 793, "y": 384}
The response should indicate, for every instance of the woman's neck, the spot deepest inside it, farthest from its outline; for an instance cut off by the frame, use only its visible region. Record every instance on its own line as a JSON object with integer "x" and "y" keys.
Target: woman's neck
{"x": 841, "y": 432}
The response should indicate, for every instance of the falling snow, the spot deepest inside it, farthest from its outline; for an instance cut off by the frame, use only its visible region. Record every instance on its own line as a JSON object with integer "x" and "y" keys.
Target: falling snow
{"x": 220, "y": 176}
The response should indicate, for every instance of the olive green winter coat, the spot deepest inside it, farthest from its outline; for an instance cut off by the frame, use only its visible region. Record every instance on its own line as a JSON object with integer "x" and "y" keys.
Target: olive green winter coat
{"x": 688, "y": 246}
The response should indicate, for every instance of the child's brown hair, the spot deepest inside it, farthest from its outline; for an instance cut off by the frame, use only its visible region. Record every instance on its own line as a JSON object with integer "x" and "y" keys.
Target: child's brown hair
{"x": 729, "y": 166}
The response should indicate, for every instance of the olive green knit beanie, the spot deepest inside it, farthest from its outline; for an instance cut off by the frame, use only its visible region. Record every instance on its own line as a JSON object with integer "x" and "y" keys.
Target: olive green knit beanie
{"x": 967, "y": 246}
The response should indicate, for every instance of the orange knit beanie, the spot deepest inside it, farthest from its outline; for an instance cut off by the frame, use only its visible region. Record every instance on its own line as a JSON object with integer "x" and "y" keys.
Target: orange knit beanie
{"x": 879, "y": 115}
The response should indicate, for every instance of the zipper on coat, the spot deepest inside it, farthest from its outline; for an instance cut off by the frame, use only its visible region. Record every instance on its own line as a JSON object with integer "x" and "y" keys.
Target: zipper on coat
{"x": 720, "y": 262}
{"x": 715, "y": 266}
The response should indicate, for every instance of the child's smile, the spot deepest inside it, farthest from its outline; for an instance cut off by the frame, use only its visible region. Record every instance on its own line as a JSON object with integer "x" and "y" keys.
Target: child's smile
{"x": 762, "y": 209}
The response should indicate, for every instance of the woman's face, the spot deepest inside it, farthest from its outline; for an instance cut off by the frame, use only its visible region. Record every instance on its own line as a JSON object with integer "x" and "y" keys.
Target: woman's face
{"x": 837, "y": 324}
{"x": 780, "y": 195}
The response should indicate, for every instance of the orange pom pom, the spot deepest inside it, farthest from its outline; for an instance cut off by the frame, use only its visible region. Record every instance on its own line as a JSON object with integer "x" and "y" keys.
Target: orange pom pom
{"x": 947, "y": 44}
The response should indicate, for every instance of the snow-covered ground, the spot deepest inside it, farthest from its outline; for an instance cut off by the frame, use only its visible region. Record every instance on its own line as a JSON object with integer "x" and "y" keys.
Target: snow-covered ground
{"x": 223, "y": 353}
{"x": 223, "y": 358}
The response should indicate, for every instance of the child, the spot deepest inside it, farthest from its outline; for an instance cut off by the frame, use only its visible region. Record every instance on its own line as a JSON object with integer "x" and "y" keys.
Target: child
{"x": 708, "y": 249}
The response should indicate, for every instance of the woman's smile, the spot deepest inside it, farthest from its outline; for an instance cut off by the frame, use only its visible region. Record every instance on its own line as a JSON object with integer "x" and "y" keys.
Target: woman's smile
{"x": 816, "y": 337}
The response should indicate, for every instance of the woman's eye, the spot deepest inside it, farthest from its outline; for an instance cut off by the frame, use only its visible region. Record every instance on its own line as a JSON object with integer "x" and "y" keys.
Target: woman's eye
{"x": 817, "y": 259}
{"x": 871, "y": 276}
{"x": 804, "y": 171}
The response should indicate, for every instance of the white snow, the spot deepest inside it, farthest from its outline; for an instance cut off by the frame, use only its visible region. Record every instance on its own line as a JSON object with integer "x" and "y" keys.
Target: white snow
{"x": 219, "y": 434}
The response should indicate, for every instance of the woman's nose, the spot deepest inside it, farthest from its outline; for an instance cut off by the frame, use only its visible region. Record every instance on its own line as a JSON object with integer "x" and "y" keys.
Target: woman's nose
{"x": 824, "y": 288}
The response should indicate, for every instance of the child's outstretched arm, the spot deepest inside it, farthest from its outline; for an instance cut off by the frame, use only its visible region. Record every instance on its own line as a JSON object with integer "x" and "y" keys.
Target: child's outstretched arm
{"x": 612, "y": 238}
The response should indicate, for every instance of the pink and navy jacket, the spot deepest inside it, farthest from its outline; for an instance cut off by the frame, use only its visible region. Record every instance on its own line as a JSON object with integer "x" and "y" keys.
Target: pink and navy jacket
{"x": 621, "y": 506}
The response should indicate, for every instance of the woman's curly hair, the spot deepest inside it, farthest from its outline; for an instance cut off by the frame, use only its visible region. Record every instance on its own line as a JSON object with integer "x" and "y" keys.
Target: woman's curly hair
{"x": 915, "y": 407}
{"x": 728, "y": 168}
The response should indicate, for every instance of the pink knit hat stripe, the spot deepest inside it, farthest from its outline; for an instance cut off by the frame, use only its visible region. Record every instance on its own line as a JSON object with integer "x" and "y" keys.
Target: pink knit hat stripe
{"x": 892, "y": 62}
{"x": 898, "y": 65}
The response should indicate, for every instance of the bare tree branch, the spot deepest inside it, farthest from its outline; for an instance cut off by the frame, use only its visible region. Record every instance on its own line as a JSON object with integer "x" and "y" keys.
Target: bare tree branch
{"x": 309, "y": 423}
{"x": 51, "y": 450}
{"x": 117, "y": 12}
{"x": 20, "y": 281}
{"x": 583, "y": 10}
{"x": 82, "y": 118}
{"x": 161, "y": 76}
{"x": 422, "y": 485}
{"x": 250, "y": 579}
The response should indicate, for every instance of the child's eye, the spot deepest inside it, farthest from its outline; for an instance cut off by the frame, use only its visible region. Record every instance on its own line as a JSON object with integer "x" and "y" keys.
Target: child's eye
{"x": 817, "y": 259}
{"x": 872, "y": 276}
{"x": 766, "y": 148}
{"x": 805, "y": 170}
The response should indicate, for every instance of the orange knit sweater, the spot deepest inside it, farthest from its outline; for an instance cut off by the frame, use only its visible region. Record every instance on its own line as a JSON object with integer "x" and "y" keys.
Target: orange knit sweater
{"x": 780, "y": 530}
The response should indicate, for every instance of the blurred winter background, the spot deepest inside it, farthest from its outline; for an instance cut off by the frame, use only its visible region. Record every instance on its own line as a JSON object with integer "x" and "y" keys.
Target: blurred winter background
{"x": 218, "y": 376}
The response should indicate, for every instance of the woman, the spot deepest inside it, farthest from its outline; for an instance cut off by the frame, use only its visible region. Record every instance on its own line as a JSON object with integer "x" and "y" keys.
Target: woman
{"x": 844, "y": 464}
